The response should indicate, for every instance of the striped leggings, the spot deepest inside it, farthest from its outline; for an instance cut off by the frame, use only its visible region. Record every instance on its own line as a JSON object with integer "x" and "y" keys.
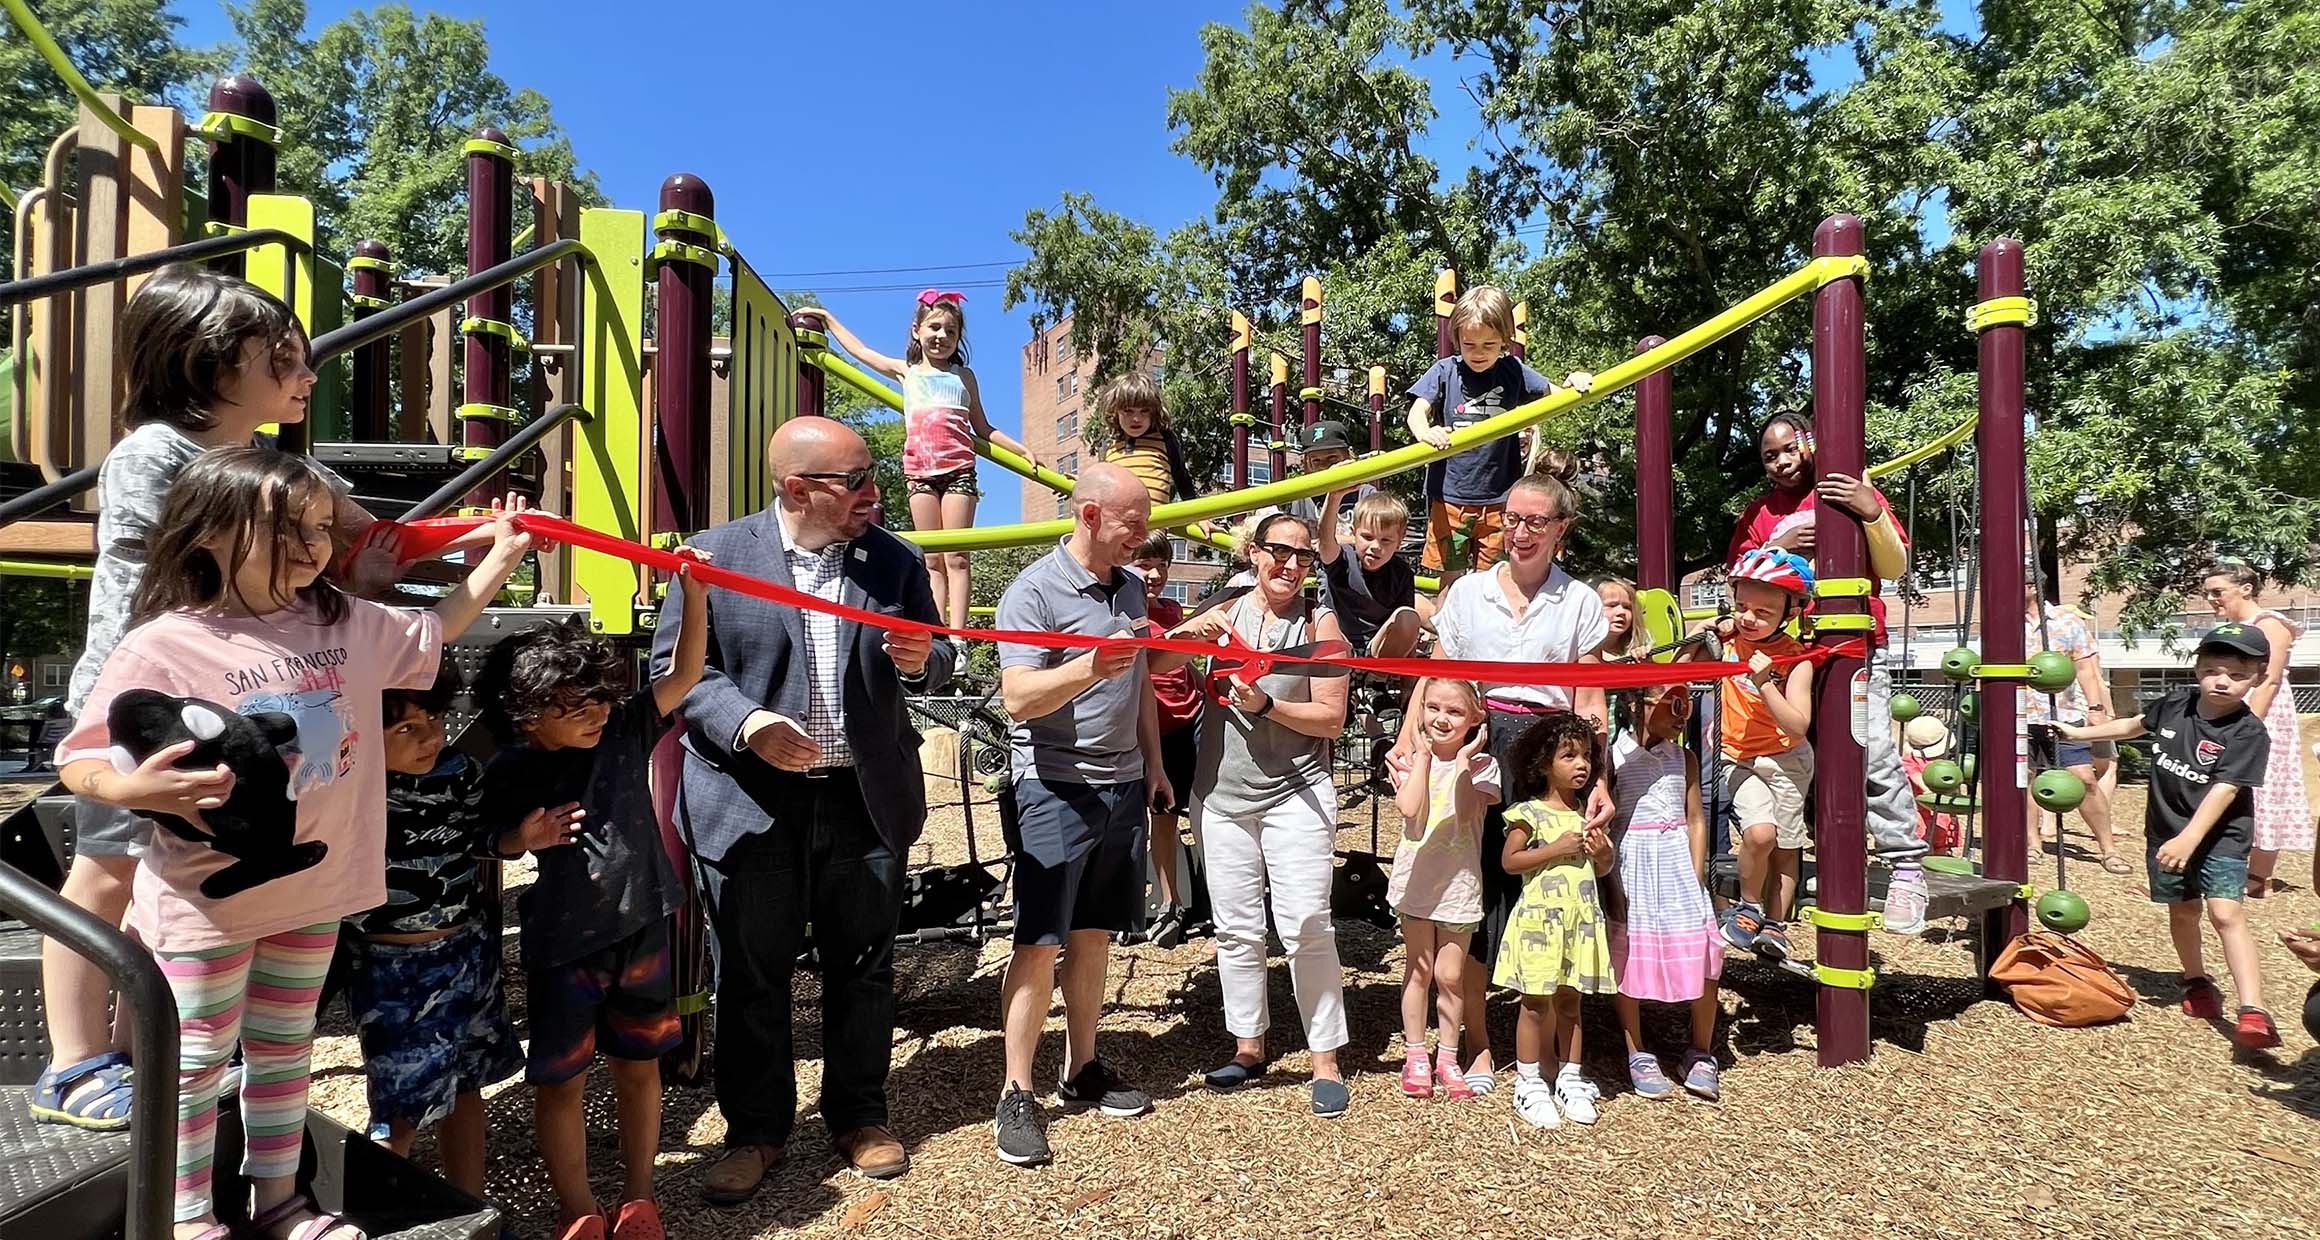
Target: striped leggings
{"x": 264, "y": 995}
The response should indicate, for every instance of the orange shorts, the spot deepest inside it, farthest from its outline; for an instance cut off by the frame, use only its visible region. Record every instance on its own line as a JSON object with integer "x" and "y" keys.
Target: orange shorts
{"x": 1487, "y": 535}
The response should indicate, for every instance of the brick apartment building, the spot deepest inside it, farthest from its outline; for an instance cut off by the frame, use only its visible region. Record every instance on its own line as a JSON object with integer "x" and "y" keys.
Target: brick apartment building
{"x": 1058, "y": 403}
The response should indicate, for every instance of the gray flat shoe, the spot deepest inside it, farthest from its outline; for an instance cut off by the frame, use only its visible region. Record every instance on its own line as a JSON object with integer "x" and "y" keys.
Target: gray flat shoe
{"x": 1331, "y": 1098}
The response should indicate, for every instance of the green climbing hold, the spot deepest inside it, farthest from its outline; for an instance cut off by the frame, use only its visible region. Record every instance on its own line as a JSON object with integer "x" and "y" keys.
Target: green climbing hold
{"x": 2051, "y": 671}
{"x": 1950, "y": 865}
{"x": 1943, "y": 775}
{"x": 995, "y": 784}
{"x": 1971, "y": 764}
{"x": 2064, "y": 912}
{"x": 1905, "y": 707}
{"x": 1959, "y": 664}
{"x": 1969, "y": 706}
{"x": 2057, "y": 791}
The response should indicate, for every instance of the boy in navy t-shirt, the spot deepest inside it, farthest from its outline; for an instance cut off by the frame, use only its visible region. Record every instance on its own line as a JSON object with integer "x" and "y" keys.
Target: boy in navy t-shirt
{"x": 1466, "y": 494}
{"x": 2209, "y": 750}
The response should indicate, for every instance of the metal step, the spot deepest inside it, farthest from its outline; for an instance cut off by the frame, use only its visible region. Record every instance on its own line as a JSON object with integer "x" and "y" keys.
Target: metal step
{"x": 58, "y": 1183}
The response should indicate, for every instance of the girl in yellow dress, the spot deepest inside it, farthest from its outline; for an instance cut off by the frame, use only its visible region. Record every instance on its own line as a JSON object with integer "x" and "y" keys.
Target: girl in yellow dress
{"x": 1557, "y": 946}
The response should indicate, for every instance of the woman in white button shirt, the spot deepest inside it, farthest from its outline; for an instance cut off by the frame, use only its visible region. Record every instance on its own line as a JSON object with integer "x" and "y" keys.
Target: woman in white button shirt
{"x": 1525, "y": 609}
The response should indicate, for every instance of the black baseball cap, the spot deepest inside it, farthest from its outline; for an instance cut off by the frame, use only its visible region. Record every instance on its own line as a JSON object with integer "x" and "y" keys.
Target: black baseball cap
{"x": 1326, "y": 436}
{"x": 2245, "y": 639}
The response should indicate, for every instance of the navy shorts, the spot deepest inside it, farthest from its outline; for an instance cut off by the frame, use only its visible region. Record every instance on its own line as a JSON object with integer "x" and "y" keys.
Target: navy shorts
{"x": 620, "y": 1000}
{"x": 433, "y": 1022}
{"x": 1179, "y": 760}
{"x": 2050, "y": 752}
{"x": 2208, "y": 877}
{"x": 1079, "y": 857}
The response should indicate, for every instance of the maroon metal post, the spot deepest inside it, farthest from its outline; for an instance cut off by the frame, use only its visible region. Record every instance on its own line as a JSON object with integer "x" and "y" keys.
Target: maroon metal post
{"x": 1998, "y": 451}
{"x": 1445, "y": 303}
{"x": 486, "y": 409}
{"x": 374, "y": 290}
{"x": 1377, "y": 408}
{"x": 240, "y": 163}
{"x": 1241, "y": 418}
{"x": 687, "y": 254}
{"x": 1840, "y": 846}
{"x": 1655, "y": 477}
{"x": 1309, "y": 315}
{"x": 1280, "y": 444}
{"x": 1520, "y": 346}
{"x": 812, "y": 384}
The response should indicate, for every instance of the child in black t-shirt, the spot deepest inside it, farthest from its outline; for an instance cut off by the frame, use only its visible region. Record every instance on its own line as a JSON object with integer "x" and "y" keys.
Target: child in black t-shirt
{"x": 1370, "y": 584}
{"x": 2199, "y": 819}
{"x": 595, "y": 921}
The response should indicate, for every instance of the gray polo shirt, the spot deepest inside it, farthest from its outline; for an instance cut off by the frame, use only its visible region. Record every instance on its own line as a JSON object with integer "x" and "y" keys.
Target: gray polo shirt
{"x": 1090, "y": 739}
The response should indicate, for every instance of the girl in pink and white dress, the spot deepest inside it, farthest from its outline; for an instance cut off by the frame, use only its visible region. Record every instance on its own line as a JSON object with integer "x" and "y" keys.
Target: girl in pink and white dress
{"x": 1664, "y": 943}
{"x": 2283, "y": 810}
{"x": 942, "y": 421}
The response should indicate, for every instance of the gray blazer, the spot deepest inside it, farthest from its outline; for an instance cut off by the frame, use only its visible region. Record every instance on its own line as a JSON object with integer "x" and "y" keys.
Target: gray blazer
{"x": 728, "y": 794}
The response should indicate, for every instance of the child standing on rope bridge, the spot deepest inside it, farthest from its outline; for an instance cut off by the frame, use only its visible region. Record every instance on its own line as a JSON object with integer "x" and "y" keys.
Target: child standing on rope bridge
{"x": 1556, "y": 945}
{"x": 597, "y": 974}
{"x": 1436, "y": 888}
{"x": 237, "y": 620}
{"x": 942, "y": 421}
{"x": 1765, "y": 717}
{"x": 2199, "y": 818}
{"x": 1466, "y": 494}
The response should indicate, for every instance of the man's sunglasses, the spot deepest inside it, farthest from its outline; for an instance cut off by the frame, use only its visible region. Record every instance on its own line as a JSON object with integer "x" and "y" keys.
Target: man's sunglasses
{"x": 1283, "y": 551}
{"x": 851, "y": 480}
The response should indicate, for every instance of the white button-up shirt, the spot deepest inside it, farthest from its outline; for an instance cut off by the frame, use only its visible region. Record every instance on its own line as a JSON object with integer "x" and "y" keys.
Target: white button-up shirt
{"x": 822, "y": 574}
{"x": 1563, "y": 621}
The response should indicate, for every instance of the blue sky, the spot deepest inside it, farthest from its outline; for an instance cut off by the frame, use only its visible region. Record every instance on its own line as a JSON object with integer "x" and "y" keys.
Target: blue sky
{"x": 845, "y": 137}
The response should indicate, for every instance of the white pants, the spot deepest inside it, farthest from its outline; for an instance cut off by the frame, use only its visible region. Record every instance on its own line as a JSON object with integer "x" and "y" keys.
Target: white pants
{"x": 1291, "y": 849}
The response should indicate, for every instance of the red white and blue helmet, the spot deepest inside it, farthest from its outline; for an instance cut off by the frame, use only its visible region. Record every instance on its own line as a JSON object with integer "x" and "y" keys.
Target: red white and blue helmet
{"x": 1775, "y": 566}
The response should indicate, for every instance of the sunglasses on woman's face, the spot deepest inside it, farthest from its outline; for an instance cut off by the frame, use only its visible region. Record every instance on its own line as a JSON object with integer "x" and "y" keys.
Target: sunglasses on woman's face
{"x": 852, "y": 479}
{"x": 1283, "y": 551}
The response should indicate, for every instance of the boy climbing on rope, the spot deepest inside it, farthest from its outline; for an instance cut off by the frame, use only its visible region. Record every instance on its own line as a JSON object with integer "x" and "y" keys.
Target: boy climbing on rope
{"x": 2199, "y": 819}
{"x": 1768, "y": 761}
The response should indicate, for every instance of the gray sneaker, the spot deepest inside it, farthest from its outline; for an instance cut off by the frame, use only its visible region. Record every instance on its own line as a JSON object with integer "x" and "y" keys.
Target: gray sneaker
{"x": 1097, "y": 1086}
{"x": 1021, "y": 1128}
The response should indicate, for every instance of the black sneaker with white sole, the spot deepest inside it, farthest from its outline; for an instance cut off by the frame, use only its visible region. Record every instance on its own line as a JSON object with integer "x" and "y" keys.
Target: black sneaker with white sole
{"x": 1097, "y": 1086}
{"x": 1021, "y": 1128}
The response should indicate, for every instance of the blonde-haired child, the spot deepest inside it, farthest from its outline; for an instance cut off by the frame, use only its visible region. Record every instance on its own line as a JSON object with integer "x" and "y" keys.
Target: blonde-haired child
{"x": 1436, "y": 886}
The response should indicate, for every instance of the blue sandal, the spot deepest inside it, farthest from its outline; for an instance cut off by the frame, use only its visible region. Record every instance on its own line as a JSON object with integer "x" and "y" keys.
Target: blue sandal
{"x": 1232, "y": 1076}
{"x": 102, "y": 1109}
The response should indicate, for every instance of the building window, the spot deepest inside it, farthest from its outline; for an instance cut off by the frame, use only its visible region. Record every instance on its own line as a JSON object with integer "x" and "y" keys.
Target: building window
{"x": 1063, "y": 505}
{"x": 1260, "y": 472}
{"x": 1063, "y": 354}
{"x": 1179, "y": 550}
{"x": 1068, "y": 463}
{"x": 1067, "y": 426}
{"x": 56, "y": 676}
{"x": 1177, "y": 592}
{"x": 1706, "y": 594}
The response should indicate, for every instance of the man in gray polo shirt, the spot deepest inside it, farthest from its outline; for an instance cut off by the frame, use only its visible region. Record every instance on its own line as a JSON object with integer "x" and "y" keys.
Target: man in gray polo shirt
{"x": 1086, "y": 771}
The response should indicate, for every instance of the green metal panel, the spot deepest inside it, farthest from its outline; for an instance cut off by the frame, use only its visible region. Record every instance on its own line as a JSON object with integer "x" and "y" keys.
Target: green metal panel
{"x": 326, "y": 410}
{"x": 289, "y": 274}
{"x": 608, "y": 454}
{"x": 761, "y": 389}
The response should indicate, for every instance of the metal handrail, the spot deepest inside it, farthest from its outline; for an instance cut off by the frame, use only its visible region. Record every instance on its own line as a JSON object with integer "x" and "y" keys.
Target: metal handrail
{"x": 73, "y": 80}
{"x": 526, "y": 436}
{"x": 387, "y": 322}
{"x": 152, "y": 1015}
{"x": 72, "y": 278}
{"x": 40, "y": 499}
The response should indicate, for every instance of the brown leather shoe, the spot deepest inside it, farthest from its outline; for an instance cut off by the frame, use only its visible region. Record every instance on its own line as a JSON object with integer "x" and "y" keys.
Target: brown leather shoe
{"x": 873, "y": 1151}
{"x": 734, "y": 1178}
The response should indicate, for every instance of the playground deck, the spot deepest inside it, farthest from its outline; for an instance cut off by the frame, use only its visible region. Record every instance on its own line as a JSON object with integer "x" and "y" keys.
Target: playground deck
{"x": 1968, "y": 1119}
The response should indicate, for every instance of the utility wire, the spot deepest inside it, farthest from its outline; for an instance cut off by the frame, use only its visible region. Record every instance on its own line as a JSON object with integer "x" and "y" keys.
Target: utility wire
{"x": 883, "y": 271}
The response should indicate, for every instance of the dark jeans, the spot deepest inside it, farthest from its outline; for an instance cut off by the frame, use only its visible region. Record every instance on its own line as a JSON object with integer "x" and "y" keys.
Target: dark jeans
{"x": 822, "y": 864}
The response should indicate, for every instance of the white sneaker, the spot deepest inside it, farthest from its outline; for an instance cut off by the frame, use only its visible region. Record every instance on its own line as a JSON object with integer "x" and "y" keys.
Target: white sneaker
{"x": 1906, "y": 900}
{"x": 1534, "y": 1100}
{"x": 1577, "y": 1094}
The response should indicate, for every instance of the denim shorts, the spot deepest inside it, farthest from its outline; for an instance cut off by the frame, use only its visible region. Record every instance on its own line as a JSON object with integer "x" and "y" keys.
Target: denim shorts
{"x": 432, "y": 1020}
{"x": 2208, "y": 877}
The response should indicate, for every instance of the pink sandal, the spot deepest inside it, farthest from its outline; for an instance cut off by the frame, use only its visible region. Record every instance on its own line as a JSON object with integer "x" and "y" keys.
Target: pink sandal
{"x": 323, "y": 1226}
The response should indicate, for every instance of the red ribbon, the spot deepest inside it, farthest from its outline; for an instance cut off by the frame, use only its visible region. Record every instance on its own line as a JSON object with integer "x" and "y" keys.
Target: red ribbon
{"x": 420, "y": 539}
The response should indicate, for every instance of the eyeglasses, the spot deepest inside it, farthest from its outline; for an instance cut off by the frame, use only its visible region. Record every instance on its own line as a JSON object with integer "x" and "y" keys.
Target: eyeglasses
{"x": 852, "y": 480}
{"x": 1283, "y": 551}
{"x": 1536, "y": 525}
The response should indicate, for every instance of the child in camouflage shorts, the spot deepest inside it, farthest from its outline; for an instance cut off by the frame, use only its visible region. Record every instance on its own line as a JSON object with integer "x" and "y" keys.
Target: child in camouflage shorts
{"x": 425, "y": 986}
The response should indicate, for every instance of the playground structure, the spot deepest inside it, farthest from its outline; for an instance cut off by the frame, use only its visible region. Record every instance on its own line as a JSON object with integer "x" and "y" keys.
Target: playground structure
{"x": 649, "y": 439}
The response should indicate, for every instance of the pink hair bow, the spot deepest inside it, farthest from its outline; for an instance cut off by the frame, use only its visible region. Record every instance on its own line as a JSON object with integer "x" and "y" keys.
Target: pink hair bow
{"x": 930, "y": 297}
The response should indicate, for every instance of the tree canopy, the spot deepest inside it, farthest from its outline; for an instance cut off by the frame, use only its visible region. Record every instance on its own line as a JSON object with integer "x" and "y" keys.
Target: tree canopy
{"x": 1632, "y": 166}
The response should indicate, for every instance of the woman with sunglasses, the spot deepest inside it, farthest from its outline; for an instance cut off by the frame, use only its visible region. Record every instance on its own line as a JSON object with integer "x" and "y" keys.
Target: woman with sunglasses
{"x": 1524, "y": 609}
{"x": 2283, "y": 811}
{"x": 942, "y": 422}
{"x": 1265, "y": 809}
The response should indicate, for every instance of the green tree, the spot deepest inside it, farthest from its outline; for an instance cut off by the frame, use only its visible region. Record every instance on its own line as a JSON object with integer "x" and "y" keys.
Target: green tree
{"x": 374, "y": 109}
{"x": 130, "y": 46}
{"x": 43, "y": 617}
{"x": 1644, "y": 163}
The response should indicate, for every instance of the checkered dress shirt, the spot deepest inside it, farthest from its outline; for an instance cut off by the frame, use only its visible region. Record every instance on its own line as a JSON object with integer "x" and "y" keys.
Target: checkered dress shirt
{"x": 822, "y": 574}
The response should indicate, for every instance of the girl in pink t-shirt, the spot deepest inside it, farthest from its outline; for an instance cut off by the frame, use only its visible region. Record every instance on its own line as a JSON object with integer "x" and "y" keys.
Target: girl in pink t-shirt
{"x": 1436, "y": 886}
{"x": 942, "y": 420}
{"x": 234, "y": 614}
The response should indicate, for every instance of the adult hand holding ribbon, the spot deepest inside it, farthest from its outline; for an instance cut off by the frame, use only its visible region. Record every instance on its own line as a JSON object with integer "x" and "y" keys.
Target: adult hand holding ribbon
{"x": 419, "y": 539}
